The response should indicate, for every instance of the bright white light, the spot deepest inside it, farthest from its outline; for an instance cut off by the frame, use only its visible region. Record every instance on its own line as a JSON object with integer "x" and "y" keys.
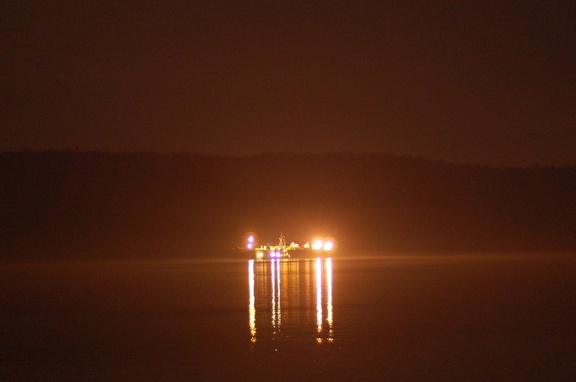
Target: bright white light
{"x": 250, "y": 246}
{"x": 328, "y": 245}
{"x": 251, "y": 239}
{"x": 317, "y": 244}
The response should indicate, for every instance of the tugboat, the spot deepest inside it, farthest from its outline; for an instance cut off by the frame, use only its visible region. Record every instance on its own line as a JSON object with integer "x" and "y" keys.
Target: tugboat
{"x": 319, "y": 247}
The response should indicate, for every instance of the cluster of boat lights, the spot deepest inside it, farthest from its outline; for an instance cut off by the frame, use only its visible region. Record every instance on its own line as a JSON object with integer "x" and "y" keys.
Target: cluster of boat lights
{"x": 318, "y": 245}
{"x": 317, "y": 269}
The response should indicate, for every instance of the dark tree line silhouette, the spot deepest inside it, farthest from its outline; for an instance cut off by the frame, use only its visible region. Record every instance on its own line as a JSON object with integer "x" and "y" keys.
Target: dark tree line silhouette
{"x": 99, "y": 204}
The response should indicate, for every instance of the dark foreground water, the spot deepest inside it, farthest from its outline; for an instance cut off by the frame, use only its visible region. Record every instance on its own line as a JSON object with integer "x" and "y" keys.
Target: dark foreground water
{"x": 457, "y": 318}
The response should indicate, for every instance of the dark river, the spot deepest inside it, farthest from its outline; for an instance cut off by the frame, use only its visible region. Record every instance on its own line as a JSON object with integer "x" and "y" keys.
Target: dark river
{"x": 412, "y": 318}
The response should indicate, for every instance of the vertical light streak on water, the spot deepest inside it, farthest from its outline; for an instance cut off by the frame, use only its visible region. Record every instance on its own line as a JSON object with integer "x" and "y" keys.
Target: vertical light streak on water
{"x": 279, "y": 301}
{"x": 329, "y": 291}
{"x": 273, "y": 274}
{"x": 330, "y": 314}
{"x": 252, "y": 301}
{"x": 319, "y": 294}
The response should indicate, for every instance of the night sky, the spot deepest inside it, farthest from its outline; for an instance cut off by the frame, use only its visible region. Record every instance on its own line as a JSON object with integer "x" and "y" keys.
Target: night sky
{"x": 459, "y": 81}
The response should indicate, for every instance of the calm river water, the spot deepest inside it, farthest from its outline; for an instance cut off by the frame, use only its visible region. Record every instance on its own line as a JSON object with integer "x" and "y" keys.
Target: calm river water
{"x": 411, "y": 318}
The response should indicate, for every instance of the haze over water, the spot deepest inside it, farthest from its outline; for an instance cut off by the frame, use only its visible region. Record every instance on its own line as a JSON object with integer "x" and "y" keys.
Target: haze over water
{"x": 412, "y": 318}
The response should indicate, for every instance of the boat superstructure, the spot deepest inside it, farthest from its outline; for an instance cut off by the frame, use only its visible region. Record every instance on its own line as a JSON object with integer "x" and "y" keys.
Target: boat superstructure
{"x": 316, "y": 247}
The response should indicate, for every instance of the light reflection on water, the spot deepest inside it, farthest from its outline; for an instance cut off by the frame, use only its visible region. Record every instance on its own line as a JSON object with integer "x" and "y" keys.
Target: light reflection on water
{"x": 413, "y": 318}
{"x": 290, "y": 299}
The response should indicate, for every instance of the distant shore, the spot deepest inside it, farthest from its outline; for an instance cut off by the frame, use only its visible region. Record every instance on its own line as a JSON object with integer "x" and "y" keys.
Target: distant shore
{"x": 68, "y": 204}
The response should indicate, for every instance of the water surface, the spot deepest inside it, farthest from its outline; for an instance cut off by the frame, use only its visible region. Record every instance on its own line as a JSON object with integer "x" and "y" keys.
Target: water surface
{"x": 411, "y": 318}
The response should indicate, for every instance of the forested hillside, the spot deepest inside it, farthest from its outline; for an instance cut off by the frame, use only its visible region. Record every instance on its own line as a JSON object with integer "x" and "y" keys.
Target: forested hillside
{"x": 97, "y": 204}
